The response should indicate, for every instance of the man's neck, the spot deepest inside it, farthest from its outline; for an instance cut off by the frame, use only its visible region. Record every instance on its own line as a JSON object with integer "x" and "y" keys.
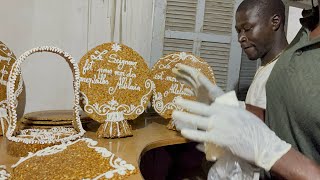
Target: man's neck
{"x": 315, "y": 33}
{"x": 276, "y": 50}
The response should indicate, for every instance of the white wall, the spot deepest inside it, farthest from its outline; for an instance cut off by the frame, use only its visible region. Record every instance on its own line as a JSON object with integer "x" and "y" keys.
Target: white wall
{"x": 123, "y": 21}
{"x": 293, "y": 22}
{"x": 75, "y": 26}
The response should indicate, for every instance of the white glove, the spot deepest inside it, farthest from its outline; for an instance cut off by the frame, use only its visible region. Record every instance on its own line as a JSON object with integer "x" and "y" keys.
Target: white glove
{"x": 202, "y": 87}
{"x": 228, "y": 98}
{"x": 211, "y": 150}
{"x": 235, "y": 129}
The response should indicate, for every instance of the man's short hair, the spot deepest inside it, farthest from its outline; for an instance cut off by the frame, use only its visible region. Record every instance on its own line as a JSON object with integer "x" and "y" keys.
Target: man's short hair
{"x": 266, "y": 8}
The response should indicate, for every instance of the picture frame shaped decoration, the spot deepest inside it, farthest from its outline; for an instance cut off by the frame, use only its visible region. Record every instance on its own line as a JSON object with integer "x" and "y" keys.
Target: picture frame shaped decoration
{"x": 31, "y": 140}
{"x": 168, "y": 89}
{"x": 7, "y": 59}
{"x": 115, "y": 87}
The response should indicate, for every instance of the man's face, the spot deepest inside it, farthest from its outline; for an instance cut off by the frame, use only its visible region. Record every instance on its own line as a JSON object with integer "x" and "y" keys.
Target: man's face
{"x": 255, "y": 33}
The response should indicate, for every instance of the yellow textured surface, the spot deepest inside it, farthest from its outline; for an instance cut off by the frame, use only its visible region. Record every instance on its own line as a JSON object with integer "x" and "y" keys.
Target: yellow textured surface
{"x": 78, "y": 161}
{"x": 19, "y": 149}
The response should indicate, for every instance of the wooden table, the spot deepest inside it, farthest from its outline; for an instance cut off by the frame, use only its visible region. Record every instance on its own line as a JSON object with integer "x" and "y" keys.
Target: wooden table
{"x": 148, "y": 133}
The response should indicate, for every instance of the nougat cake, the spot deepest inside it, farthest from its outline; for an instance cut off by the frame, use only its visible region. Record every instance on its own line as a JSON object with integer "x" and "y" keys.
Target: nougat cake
{"x": 80, "y": 159}
{"x": 115, "y": 87}
{"x": 168, "y": 88}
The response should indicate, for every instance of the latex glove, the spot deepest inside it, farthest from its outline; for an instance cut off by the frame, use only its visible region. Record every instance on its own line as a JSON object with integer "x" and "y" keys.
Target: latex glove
{"x": 211, "y": 150}
{"x": 234, "y": 129}
{"x": 196, "y": 107}
{"x": 205, "y": 91}
{"x": 202, "y": 87}
{"x": 229, "y": 98}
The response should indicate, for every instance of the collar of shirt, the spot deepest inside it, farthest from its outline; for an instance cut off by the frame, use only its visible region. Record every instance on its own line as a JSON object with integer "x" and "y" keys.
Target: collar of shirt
{"x": 302, "y": 41}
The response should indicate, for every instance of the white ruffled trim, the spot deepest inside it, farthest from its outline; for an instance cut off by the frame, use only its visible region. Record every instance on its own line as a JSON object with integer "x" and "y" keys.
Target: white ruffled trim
{"x": 4, "y": 175}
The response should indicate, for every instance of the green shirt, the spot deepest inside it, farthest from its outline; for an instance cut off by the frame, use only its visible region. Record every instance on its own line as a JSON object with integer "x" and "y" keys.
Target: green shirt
{"x": 293, "y": 96}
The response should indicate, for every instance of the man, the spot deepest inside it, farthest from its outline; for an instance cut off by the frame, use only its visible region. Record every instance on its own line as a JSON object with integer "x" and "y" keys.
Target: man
{"x": 295, "y": 117}
{"x": 292, "y": 151}
{"x": 260, "y": 27}
{"x": 261, "y": 34}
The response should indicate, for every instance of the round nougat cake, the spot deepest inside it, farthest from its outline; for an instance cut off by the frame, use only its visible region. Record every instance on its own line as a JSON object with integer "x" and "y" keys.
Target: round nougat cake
{"x": 167, "y": 87}
{"x": 115, "y": 87}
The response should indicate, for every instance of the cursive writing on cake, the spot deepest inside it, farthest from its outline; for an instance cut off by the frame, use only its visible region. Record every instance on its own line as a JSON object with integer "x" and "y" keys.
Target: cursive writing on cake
{"x": 124, "y": 83}
{"x": 121, "y": 62}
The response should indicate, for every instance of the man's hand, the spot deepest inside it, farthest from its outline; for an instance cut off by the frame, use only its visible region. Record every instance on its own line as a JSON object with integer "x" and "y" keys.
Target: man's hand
{"x": 202, "y": 87}
{"x": 234, "y": 129}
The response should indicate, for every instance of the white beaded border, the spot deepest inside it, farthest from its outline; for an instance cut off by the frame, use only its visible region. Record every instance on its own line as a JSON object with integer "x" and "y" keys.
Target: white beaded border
{"x": 16, "y": 70}
{"x": 186, "y": 54}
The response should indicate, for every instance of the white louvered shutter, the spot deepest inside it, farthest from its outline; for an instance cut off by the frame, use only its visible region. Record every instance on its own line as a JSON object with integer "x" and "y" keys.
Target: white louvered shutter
{"x": 202, "y": 27}
{"x": 181, "y": 15}
{"x": 180, "y": 19}
{"x": 218, "y": 20}
{"x": 218, "y": 17}
{"x": 217, "y": 55}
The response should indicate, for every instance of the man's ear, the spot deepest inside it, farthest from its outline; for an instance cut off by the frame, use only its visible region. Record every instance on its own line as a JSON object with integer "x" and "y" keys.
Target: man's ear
{"x": 275, "y": 22}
